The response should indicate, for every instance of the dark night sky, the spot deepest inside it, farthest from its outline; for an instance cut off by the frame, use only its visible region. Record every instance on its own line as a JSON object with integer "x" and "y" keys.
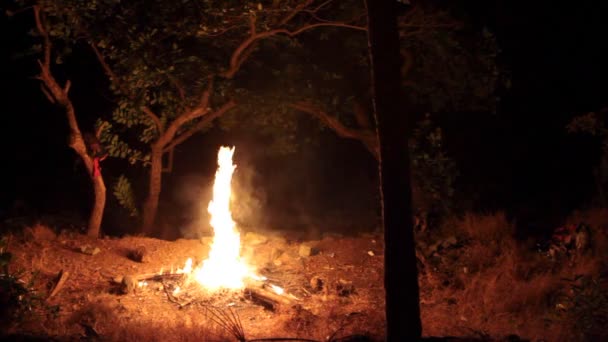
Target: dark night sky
{"x": 520, "y": 159}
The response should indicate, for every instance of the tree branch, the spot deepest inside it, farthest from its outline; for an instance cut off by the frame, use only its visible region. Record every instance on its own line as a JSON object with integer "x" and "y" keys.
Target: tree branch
{"x": 366, "y": 137}
{"x": 114, "y": 79}
{"x": 207, "y": 94}
{"x": 187, "y": 115}
{"x": 109, "y": 72}
{"x": 321, "y": 6}
{"x": 252, "y": 30}
{"x": 239, "y": 55}
{"x": 154, "y": 118}
{"x": 179, "y": 87}
{"x": 47, "y": 94}
{"x": 59, "y": 95}
{"x": 45, "y": 36}
{"x": 295, "y": 11}
{"x": 200, "y": 125}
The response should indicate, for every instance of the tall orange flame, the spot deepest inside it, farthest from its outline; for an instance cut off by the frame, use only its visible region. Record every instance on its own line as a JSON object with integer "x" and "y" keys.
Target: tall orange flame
{"x": 224, "y": 267}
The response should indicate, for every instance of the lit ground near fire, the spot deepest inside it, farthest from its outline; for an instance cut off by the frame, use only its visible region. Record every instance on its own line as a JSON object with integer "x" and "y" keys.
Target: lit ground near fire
{"x": 348, "y": 298}
{"x": 475, "y": 280}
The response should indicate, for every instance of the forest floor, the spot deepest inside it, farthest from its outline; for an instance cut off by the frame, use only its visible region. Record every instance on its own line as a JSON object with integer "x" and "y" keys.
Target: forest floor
{"x": 472, "y": 284}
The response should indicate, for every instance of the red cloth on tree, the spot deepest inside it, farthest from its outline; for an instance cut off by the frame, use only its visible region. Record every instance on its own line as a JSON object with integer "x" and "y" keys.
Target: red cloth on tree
{"x": 96, "y": 167}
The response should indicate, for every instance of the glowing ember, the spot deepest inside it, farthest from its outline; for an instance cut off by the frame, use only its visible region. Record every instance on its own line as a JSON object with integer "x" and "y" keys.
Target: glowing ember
{"x": 224, "y": 267}
{"x": 277, "y": 289}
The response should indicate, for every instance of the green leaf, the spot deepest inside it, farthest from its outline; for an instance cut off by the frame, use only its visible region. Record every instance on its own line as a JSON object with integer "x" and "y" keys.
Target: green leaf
{"x": 123, "y": 192}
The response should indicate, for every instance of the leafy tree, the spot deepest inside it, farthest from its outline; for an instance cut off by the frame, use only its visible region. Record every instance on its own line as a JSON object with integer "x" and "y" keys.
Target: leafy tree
{"x": 59, "y": 95}
{"x": 174, "y": 68}
{"x": 171, "y": 64}
{"x": 447, "y": 67}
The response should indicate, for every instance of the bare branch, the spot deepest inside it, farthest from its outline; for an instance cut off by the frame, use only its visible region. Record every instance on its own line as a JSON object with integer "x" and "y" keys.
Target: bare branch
{"x": 109, "y": 72}
{"x": 100, "y": 129}
{"x": 59, "y": 95}
{"x": 221, "y": 32}
{"x": 179, "y": 87}
{"x": 47, "y": 94}
{"x": 154, "y": 118}
{"x": 252, "y": 29}
{"x": 204, "y": 103}
{"x": 66, "y": 89}
{"x": 188, "y": 115}
{"x": 322, "y": 5}
{"x": 365, "y": 136}
{"x": 314, "y": 15}
{"x": 295, "y": 11}
{"x": 45, "y": 36}
{"x": 200, "y": 125}
{"x": 239, "y": 54}
{"x": 114, "y": 79}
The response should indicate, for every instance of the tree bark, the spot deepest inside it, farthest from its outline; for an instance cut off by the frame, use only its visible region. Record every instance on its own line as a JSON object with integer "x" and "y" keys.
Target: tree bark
{"x": 400, "y": 273}
{"x": 99, "y": 191}
{"x": 154, "y": 186}
{"x": 59, "y": 95}
{"x": 167, "y": 141}
{"x": 99, "y": 187}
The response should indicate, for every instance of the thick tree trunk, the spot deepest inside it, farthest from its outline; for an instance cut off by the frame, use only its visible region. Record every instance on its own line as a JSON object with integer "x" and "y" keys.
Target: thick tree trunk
{"x": 99, "y": 190}
{"x": 99, "y": 187}
{"x": 400, "y": 273}
{"x": 154, "y": 186}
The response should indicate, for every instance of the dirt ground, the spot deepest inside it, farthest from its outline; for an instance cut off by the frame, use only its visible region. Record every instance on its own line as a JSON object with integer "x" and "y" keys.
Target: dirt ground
{"x": 475, "y": 282}
{"x": 335, "y": 291}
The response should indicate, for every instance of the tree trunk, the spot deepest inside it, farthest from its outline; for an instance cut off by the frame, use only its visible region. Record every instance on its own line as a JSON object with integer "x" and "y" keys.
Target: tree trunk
{"x": 400, "y": 273}
{"x": 59, "y": 95}
{"x": 99, "y": 187}
{"x": 99, "y": 190}
{"x": 154, "y": 185}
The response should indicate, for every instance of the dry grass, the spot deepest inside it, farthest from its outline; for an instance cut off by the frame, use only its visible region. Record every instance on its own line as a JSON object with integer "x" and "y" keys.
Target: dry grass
{"x": 496, "y": 286}
{"x": 101, "y": 318}
{"x": 484, "y": 228}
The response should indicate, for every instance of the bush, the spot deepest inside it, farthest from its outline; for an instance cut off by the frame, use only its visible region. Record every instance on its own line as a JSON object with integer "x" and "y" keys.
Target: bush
{"x": 18, "y": 300}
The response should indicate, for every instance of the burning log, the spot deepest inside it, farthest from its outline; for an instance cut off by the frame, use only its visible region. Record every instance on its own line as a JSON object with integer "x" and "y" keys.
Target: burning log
{"x": 268, "y": 297}
{"x": 129, "y": 283}
{"x": 149, "y": 276}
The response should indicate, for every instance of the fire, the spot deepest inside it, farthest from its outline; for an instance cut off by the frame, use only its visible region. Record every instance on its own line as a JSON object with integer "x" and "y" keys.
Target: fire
{"x": 224, "y": 267}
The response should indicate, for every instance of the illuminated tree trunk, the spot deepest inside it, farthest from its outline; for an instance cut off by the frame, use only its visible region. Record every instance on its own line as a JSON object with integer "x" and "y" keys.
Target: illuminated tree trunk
{"x": 154, "y": 186}
{"x": 400, "y": 273}
{"x": 99, "y": 191}
{"x": 59, "y": 95}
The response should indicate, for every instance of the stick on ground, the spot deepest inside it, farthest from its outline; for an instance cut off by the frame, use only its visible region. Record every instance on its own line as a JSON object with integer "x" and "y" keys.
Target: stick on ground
{"x": 63, "y": 276}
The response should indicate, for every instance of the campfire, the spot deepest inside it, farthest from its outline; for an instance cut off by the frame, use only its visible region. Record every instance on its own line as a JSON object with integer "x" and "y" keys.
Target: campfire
{"x": 224, "y": 269}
